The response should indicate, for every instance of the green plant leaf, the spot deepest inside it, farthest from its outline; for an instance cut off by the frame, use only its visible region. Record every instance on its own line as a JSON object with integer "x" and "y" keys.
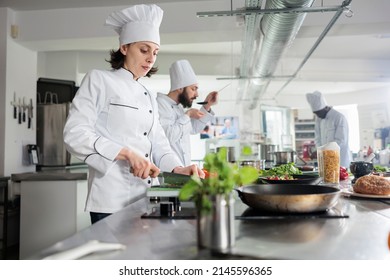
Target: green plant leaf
{"x": 248, "y": 174}
{"x": 246, "y": 151}
{"x": 188, "y": 190}
{"x": 227, "y": 177}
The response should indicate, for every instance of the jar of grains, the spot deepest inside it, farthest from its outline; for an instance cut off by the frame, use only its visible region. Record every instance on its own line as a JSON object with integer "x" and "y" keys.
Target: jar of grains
{"x": 328, "y": 157}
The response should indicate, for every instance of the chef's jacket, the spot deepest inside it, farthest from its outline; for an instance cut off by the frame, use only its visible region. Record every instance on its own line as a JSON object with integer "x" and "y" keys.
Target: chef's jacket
{"x": 111, "y": 111}
{"x": 334, "y": 128}
{"x": 178, "y": 126}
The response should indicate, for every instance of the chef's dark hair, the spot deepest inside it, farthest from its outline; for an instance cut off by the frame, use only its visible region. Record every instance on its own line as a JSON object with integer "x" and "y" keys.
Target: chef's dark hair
{"x": 117, "y": 60}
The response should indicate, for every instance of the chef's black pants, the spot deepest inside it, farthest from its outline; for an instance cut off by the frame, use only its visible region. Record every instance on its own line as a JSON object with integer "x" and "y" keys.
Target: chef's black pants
{"x": 95, "y": 216}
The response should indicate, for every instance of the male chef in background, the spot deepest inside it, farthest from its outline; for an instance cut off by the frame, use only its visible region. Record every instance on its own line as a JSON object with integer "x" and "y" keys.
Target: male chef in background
{"x": 177, "y": 122}
{"x": 330, "y": 126}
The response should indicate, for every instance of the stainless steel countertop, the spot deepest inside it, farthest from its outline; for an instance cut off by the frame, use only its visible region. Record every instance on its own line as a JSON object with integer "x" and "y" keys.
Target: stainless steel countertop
{"x": 60, "y": 174}
{"x": 364, "y": 235}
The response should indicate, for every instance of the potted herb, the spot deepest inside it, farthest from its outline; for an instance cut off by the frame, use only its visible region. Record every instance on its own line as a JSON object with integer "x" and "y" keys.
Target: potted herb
{"x": 214, "y": 201}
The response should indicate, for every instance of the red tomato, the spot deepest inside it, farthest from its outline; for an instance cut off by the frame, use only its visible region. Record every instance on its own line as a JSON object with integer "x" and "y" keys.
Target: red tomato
{"x": 208, "y": 174}
{"x": 343, "y": 173}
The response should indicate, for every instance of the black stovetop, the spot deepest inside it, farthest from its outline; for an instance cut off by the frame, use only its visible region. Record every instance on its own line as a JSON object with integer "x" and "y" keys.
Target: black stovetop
{"x": 250, "y": 214}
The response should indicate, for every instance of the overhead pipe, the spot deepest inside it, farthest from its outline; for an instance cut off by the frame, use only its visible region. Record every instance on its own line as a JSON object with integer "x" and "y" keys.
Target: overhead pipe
{"x": 265, "y": 43}
{"x": 343, "y": 7}
{"x": 277, "y": 33}
{"x": 250, "y": 44}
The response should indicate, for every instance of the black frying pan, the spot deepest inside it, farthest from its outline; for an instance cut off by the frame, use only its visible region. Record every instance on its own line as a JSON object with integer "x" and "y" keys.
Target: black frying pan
{"x": 289, "y": 198}
{"x": 298, "y": 179}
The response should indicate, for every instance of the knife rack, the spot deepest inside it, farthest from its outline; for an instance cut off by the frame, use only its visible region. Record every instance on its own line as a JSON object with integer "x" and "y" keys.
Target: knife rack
{"x": 22, "y": 110}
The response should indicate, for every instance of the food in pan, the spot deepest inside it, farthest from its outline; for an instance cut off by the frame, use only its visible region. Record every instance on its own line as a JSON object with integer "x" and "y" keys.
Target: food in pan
{"x": 281, "y": 177}
{"x": 282, "y": 170}
{"x": 372, "y": 184}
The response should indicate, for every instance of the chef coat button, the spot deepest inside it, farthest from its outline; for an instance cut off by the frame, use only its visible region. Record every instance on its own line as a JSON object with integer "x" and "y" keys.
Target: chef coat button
{"x": 146, "y": 93}
{"x": 146, "y": 155}
{"x": 150, "y": 111}
{"x": 149, "y": 181}
{"x": 145, "y": 133}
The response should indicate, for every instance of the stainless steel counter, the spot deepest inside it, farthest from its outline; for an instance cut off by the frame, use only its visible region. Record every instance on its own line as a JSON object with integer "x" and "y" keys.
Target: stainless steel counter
{"x": 363, "y": 235}
{"x": 59, "y": 174}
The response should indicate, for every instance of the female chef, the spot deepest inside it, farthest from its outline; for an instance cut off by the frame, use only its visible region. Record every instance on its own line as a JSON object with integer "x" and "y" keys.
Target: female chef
{"x": 113, "y": 123}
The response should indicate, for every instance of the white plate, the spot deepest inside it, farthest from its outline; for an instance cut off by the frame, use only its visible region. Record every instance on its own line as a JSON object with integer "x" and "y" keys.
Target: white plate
{"x": 350, "y": 192}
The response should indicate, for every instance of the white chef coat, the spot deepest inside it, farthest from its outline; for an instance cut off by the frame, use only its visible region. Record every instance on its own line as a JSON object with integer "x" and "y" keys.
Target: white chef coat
{"x": 111, "y": 111}
{"x": 178, "y": 126}
{"x": 334, "y": 128}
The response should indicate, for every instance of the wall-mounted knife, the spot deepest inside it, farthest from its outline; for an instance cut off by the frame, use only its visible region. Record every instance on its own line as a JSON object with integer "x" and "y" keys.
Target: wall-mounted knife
{"x": 24, "y": 106}
{"x": 15, "y": 109}
{"x": 20, "y": 111}
{"x": 30, "y": 113}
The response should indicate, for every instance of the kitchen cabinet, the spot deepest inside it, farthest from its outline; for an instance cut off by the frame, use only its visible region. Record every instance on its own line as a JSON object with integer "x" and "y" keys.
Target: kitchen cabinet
{"x": 51, "y": 208}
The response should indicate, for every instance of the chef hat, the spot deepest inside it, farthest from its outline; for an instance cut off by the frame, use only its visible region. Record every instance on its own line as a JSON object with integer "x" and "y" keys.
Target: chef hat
{"x": 181, "y": 75}
{"x": 316, "y": 101}
{"x": 137, "y": 23}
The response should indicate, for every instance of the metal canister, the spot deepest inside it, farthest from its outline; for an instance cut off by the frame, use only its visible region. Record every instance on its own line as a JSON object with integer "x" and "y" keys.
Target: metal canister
{"x": 259, "y": 164}
{"x": 230, "y": 153}
{"x": 266, "y": 152}
{"x": 216, "y": 229}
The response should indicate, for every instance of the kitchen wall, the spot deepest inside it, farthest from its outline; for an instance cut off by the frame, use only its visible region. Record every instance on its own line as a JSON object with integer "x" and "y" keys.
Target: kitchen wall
{"x": 3, "y": 71}
{"x": 17, "y": 75}
{"x": 73, "y": 65}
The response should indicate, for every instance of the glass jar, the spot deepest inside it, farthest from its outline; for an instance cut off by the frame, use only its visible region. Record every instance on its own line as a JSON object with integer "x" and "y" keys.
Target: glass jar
{"x": 328, "y": 157}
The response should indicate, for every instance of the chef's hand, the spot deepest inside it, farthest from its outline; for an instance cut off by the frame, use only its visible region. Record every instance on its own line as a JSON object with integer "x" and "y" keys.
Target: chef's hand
{"x": 194, "y": 113}
{"x": 211, "y": 99}
{"x": 189, "y": 170}
{"x": 139, "y": 166}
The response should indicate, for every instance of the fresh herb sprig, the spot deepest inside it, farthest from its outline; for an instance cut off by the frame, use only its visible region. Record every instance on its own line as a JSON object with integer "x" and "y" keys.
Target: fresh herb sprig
{"x": 224, "y": 176}
{"x": 380, "y": 168}
{"x": 281, "y": 170}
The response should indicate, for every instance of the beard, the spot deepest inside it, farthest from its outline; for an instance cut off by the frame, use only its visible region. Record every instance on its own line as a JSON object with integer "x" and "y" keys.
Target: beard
{"x": 184, "y": 99}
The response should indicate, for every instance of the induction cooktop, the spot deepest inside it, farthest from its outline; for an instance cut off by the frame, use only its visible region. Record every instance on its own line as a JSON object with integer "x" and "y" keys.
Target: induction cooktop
{"x": 249, "y": 214}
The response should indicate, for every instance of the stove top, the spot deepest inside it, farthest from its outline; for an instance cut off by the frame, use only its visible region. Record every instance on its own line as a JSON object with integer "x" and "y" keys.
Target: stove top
{"x": 249, "y": 214}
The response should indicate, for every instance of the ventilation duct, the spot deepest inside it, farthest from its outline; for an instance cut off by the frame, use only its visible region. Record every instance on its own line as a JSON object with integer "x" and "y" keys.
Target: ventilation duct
{"x": 275, "y": 34}
{"x": 268, "y": 33}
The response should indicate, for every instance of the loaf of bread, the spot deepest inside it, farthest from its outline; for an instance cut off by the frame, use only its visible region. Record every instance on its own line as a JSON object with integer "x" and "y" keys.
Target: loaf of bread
{"x": 372, "y": 184}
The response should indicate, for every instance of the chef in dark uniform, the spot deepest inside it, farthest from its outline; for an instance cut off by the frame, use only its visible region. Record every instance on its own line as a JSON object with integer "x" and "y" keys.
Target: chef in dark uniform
{"x": 113, "y": 123}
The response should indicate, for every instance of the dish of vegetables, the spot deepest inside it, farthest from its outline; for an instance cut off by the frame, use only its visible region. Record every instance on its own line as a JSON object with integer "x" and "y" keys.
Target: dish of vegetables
{"x": 287, "y": 174}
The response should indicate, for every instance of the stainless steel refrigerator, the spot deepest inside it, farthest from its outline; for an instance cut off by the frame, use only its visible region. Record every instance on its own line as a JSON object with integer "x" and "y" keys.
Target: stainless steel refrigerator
{"x": 50, "y": 124}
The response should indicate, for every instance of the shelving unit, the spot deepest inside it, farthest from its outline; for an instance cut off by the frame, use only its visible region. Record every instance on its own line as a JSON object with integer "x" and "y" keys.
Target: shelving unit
{"x": 304, "y": 132}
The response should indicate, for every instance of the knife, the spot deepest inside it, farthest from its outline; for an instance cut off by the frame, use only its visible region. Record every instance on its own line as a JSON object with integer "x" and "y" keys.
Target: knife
{"x": 20, "y": 111}
{"x": 15, "y": 109}
{"x": 170, "y": 178}
{"x": 175, "y": 179}
{"x": 24, "y": 106}
{"x": 30, "y": 113}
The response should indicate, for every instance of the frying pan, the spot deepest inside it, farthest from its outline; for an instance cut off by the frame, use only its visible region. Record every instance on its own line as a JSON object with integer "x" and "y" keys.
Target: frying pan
{"x": 289, "y": 198}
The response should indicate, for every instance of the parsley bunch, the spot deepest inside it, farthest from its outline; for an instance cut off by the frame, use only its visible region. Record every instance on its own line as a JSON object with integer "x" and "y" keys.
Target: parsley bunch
{"x": 281, "y": 170}
{"x": 227, "y": 177}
